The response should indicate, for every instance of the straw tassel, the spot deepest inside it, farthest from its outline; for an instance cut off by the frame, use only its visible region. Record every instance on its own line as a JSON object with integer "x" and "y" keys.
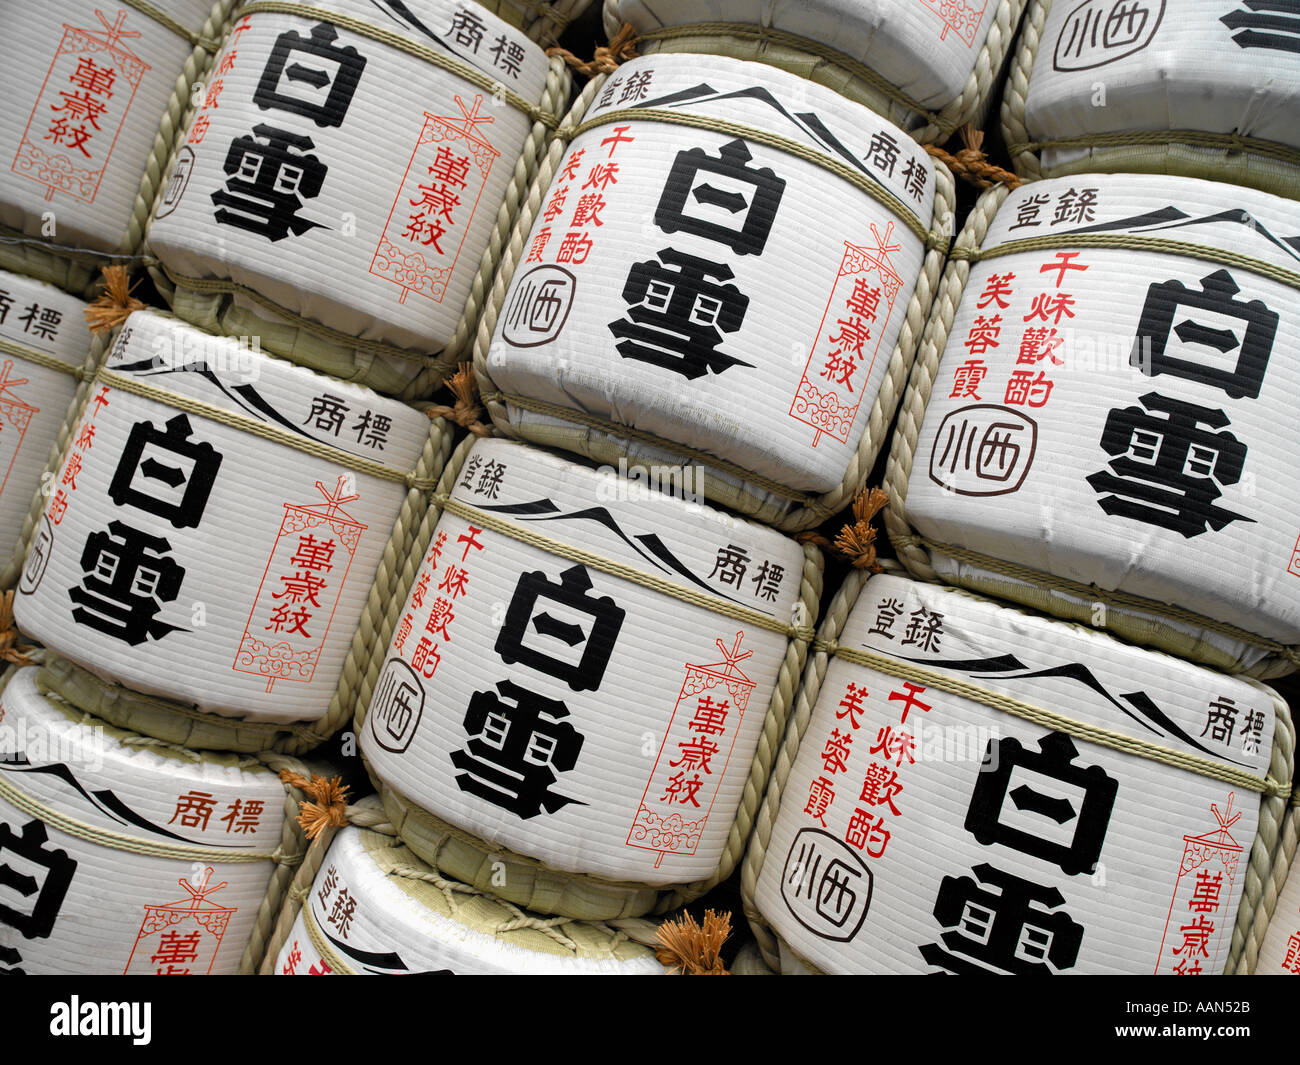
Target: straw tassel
{"x": 115, "y": 304}
{"x": 330, "y": 801}
{"x": 690, "y": 949}
{"x": 10, "y": 649}
{"x": 466, "y": 411}
{"x": 857, "y": 540}
{"x": 621, "y": 47}
{"x": 972, "y": 164}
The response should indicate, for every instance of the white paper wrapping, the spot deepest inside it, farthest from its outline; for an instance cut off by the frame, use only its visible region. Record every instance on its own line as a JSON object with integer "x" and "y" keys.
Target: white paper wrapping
{"x": 1111, "y": 65}
{"x": 686, "y": 282}
{"x": 548, "y": 707}
{"x": 191, "y": 559}
{"x": 360, "y": 197}
{"x": 927, "y": 48}
{"x": 1279, "y": 954}
{"x": 86, "y": 86}
{"x": 1124, "y": 417}
{"x": 34, "y": 399}
{"x": 895, "y": 852}
{"x": 71, "y": 906}
{"x": 383, "y": 924}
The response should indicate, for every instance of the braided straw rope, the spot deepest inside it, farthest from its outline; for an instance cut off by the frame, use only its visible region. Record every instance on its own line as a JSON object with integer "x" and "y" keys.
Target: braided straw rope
{"x": 1264, "y": 873}
{"x": 95, "y": 355}
{"x": 209, "y": 304}
{"x": 531, "y": 883}
{"x": 1131, "y": 617}
{"x": 603, "y": 441}
{"x": 1015, "y": 91}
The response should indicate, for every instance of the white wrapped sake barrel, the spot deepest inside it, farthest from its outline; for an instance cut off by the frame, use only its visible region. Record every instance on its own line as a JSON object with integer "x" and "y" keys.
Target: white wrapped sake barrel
{"x": 680, "y": 296}
{"x": 44, "y": 342}
{"x": 94, "y": 95}
{"x": 928, "y": 65}
{"x": 1100, "y": 422}
{"x": 1200, "y": 88}
{"x": 570, "y": 709}
{"x": 119, "y": 854}
{"x": 375, "y": 909}
{"x": 216, "y": 527}
{"x": 326, "y": 207}
{"x": 967, "y": 788}
{"x": 1279, "y": 954}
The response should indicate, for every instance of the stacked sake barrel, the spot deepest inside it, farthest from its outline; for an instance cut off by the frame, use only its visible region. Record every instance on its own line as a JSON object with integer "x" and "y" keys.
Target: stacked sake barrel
{"x": 1279, "y": 952}
{"x": 929, "y": 67}
{"x": 375, "y": 909}
{"x": 673, "y": 296}
{"x": 1157, "y": 87}
{"x": 966, "y": 788}
{"x": 342, "y": 218}
{"x": 580, "y": 694}
{"x": 95, "y": 97}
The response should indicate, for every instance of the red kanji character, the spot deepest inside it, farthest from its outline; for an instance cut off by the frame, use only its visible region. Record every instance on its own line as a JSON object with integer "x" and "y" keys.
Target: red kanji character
{"x": 679, "y": 789}
{"x": 1063, "y": 263}
{"x": 85, "y": 437}
{"x": 313, "y": 553}
{"x": 454, "y": 581}
{"x": 1038, "y": 343}
{"x": 835, "y": 756}
{"x": 966, "y": 379}
{"x": 1196, "y": 937}
{"x": 867, "y": 832}
{"x": 851, "y": 704}
{"x": 555, "y": 205}
{"x": 820, "y": 795}
{"x": 58, "y": 506}
{"x": 588, "y": 210}
{"x": 616, "y": 138}
{"x": 174, "y": 950}
{"x": 291, "y": 963}
{"x": 214, "y": 93}
{"x": 1205, "y": 895}
{"x": 910, "y": 700}
{"x": 880, "y": 786}
{"x": 70, "y": 137}
{"x": 997, "y": 286}
{"x": 295, "y": 620}
{"x": 571, "y": 164}
{"x": 538, "y": 247}
{"x": 696, "y": 754}
{"x": 90, "y": 76}
{"x": 864, "y": 301}
{"x": 449, "y": 168}
{"x": 435, "y": 549}
{"x": 421, "y": 587}
{"x": 601, "y": 176}
{"x": 1187, "y": 967}
{"x": 440, "y": 199}
{"x": 574, "y": 248}
{"x": 440, "y": 616}
{"x": 227, "y": 63}
{"x": 839, "y": 368}
{"x": 341, "y": 915}
{"x": 301, "y": 587}
{"x": 983, "y": 334}
{"x": 710, "y": 717}
{"x": 469, "y": 539}
{"x": 426, "y": 657}
{"x": 71, "y": 470}
{"x": 100, "y": 401}
{"x": 194, "y": 808}
{"x": 894, "y": 744}
{"x": 1023, "y": 387}
{"x": 1045, "y": 303}
{"x": 403, "y": 631}
{"x": 243, "y": 816}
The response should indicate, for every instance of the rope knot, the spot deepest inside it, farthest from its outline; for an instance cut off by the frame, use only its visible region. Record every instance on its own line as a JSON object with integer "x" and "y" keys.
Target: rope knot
{"x": 466, "y": 411}
{"x": 10, "y": 649}
{"x": 115, "y": 304}
{"x": 606, "y": 58}
{"x": 857, "y": 540}
{"x": 691, "y": 949}
{"x": 972, "y": 164}
{"x": 328, "y": 805}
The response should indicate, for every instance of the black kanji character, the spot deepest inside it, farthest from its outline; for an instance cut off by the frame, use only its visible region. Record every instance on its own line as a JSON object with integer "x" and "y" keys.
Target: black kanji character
{"x": 676, "y": 317}
{"x": 726, "y": 215}
{"x": 42, "y": 875}
{"x": 127, "y": 579}
{"x": 269, "y": 176}
{"x": 515, "y": 751}
{"x": 1203, "y": 346}
{"x": 1168, "y": 471}
{"x": 166, "y": 473}
{"x": 1012, "y": 931}
{"x": 576, "y": 653}
{"x": 1089, "y": 817}
{"x": 310, "y": 76}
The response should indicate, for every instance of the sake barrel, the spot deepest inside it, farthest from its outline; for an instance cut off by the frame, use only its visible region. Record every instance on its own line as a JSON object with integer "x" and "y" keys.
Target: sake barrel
{"x": 966, "y": 788}
{"x": 681, "y": 297}
{"x": 1124, "y": 454}
{"x": 123, "y": 855}
{"x": 94, "y": 95}
{"x": 928, "y": 65}
{"x": 216, "y": 527}
{"x": 376, "y": 909}
{"x": 331, "y": 210}
{"x": 1279, "y": 953}
{"x": 543, "y": 20}
{"x": 1201, "y": 88}
{"x": 570, "y": 708}
{"x": 43, "y": 343}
